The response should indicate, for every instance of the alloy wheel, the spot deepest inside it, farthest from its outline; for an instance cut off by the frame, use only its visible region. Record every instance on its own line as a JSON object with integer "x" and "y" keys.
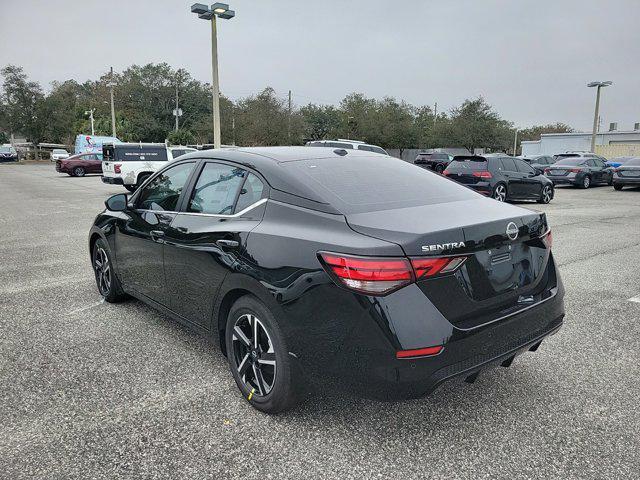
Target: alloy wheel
{"x": 253, "y": 355}
{"x": 586, "y": 182}
{"x": 78, "y": 172}
{"x": 501, "y": 193}
{"x": 546, "y": 194}
{"x": 102, "y": 269}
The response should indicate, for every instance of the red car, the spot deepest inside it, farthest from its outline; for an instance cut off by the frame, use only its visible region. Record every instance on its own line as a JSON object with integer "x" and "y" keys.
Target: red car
{"x": 79, "y": 165}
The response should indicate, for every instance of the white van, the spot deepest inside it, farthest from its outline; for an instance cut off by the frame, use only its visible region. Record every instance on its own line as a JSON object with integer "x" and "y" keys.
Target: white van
{"x": 345, "y": 143}
{"x": 130, "y": 164}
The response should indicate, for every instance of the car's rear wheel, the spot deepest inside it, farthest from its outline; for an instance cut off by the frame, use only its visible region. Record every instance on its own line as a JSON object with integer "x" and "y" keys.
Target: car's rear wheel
{"x": 546, "y": 195}
{"x": 439, "y": 168}
{"x": 78, "y": 172}
{"x": 618, "y": 186}
{"x": 500, "y": 192}
{"x": 586, "y": 182}
{"x": 106, "y": 279}
{"x": 258, "y": 357}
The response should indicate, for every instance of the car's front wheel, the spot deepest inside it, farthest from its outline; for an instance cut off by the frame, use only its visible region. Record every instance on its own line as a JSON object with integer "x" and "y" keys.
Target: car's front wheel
{"x": 500, "y": 192}
{"x": 106, "y": 279}
{"x": 78, "y": 172}
{"x": 618, "y": 186}
{"x": 546, "y": 195}
{"x": 258, "y": 357}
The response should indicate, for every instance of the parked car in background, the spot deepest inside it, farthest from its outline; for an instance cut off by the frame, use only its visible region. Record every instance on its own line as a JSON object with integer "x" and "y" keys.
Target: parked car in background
{"x": 500, "y": 177}
{"x": 348, "y": 144}
{"x": 627, "y": 174}
{"x": 313, "y": 268}
{"x": 436, "y": 161}
{"x": 538, "y": 162}
{"x": 617, "y": 161}
{"x": 130, "y": 164}
{"x": 8, "y": 154}
{"x": 79, "y": 165}
{"x": 560, "y": 156}
{"x": 59, "y": 154}
{"x": 582, "y": 171}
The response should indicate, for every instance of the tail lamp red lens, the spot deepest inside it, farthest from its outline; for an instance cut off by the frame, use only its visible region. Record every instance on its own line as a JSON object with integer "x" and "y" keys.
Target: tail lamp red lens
{"x": 382, "y": 275}
{"x": 546, "y": 170}
{"x": 446, "y": 172}
{"x": 548, "y": 239}
{"x": 482, "y": 174}
{"x": 116, "y": 168}
{"x": 419, "y": 352}
{"x": 575, "y": 170}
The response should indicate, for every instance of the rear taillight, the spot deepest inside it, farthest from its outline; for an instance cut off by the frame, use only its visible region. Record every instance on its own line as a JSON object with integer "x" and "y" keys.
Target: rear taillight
{"x": 446, "y": 172}
{"x": 546, "y": 170}
{"x": 575, "y": 170}
{"x": 369, "y": 275}
{"x": 428, "y": 267}
{"x": 382, "y": 275}
{"x": 483, "y": 174}
{"x": 116, "y": 168}
{"x": 419, "y": 352}
{"x": 548, "y": 239}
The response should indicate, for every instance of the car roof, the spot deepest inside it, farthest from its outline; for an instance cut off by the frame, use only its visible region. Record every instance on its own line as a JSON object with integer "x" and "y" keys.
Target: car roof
{"x": 269, "y": 162}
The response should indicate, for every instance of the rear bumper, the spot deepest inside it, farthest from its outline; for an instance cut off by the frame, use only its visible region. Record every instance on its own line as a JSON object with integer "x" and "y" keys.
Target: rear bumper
{"x": 564, "y": 181}
{"x": 626, "y": 181}
{"x": 481, "y": 187}
{"x": 112, "y": 180}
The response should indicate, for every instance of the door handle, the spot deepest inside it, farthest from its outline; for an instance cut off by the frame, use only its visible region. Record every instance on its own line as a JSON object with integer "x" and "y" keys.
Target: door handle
{"x": 227, "y": 243}
{"x": 156, "y": 235}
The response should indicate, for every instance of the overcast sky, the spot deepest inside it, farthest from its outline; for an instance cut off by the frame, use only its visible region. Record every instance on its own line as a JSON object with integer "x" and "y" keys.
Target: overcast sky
{"x": 530, "y": 59}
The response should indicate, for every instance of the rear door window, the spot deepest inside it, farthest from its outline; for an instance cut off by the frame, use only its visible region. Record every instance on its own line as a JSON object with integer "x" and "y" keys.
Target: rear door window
{"x": 252, "y": 191}
{"x": 523, "y": 167}
{"x": 216, "y": 189}
{"x": 508, "y": 165}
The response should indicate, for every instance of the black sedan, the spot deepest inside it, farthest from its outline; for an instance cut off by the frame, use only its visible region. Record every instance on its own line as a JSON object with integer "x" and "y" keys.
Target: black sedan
{"x": 503, "y": 178}
{"x": 627, "y": 174}
{"x": 433, "y": 161}
{"x": 317, "y": 266}
{"x": 582, "y": 172}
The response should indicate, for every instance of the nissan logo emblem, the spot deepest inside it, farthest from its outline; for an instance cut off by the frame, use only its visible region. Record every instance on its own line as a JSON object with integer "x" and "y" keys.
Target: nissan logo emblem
{"x": 512, "y": 231}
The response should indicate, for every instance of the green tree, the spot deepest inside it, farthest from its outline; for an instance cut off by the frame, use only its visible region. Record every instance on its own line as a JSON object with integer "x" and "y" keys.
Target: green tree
{"x": 475, "y": 124}
{"x": 321, "y": 122}
{"x": 261, "y": 120}
{"x": 181, "y": 137}
{"x": 22, "y": 102}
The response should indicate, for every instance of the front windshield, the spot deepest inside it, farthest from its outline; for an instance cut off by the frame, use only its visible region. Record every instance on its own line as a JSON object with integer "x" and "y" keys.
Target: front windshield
{"x": 7, "y": 150}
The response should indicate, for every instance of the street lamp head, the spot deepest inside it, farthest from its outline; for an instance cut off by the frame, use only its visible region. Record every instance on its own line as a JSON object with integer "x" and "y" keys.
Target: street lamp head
{"x": 227, "y": 15}
{"x": 218, "y": 9}
{"x": 199, "y": 8}
{"x": 600, "y": 84}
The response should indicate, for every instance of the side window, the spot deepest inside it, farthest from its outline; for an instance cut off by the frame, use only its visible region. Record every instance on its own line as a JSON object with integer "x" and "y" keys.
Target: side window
{"x": 365, "y": 147}
{"x": 251, "y": 192}
{"x": 523, "y": 167}
{"x": 178, "y": 152}
{"x": 164, "y": 190}
{"x": 591, "y": 162}
{"x": 508, "y": 165}
{"x": 216, "y": 189}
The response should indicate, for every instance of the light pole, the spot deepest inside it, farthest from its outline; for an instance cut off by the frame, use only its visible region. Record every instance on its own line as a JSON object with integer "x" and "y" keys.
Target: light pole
{"x": 113, "y": 110}
{"x": 595, "y": 115}
{"x": 90, "y": 113}
{"x": 515, "y": 143}
{"x": 217, "y": 10}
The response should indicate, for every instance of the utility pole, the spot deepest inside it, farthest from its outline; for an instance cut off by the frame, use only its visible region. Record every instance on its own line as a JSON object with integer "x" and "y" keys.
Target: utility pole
{"x": 435, "y": 113}
{"x": 515, "y": 143}
{"x": 113, "y": 111}
{"x": 215, "y": 87}
{"x": 90, "y": 113}
{"x": 289, "y": 120}
{"x": 596, "y": 114}
{"x": 177, "y": 111}
{"x": 233, "y": 128}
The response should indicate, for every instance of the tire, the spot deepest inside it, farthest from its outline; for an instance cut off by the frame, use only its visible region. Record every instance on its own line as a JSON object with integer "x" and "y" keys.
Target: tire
{"x": 131, "y": 188}
{"x": 106, "y": 281}
{"x": 618, "y": 186}
{"x": 546, "y": 195}
{"x": 78, "y": 172}
{"x": 586, "y": 182}
{"x": 277, "y": 388}
{"x": 439, "y": 168}
{"x": 500, "y": 192}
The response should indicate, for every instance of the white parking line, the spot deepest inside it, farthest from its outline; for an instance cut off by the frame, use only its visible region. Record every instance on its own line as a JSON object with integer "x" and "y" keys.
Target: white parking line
{"x": 635, "y": 299}
{"x": 87, "y": 307}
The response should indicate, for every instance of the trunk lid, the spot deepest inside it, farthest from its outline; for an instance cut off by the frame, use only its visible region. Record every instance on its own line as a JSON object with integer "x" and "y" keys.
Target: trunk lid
{"x": 506, "y": 261}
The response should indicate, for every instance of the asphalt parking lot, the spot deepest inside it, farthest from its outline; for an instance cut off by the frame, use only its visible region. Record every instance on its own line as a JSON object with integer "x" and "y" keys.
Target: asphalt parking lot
{"x": 94, "y": 390}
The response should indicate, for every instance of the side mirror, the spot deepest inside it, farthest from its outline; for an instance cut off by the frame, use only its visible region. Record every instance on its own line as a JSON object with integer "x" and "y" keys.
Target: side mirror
{"x": 116, "y": 203}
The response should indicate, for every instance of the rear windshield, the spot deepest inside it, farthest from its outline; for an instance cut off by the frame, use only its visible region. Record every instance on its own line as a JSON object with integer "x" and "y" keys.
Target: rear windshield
{"x": 458, "y": 166}
{"x": 573, "y": 161}
{"x": 367, "y": 184}
{"x": 139, "y": 154}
